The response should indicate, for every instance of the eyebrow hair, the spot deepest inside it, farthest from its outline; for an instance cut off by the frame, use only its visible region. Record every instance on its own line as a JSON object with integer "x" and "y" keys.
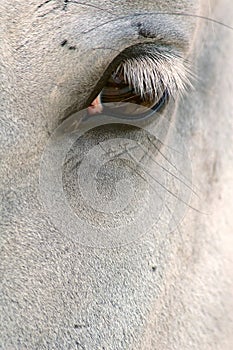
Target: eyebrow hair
{"x": 155, "y": 72}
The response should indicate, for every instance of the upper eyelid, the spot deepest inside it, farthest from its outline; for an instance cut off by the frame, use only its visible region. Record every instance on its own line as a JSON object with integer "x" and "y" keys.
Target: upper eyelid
{"x": 156, "y": 28}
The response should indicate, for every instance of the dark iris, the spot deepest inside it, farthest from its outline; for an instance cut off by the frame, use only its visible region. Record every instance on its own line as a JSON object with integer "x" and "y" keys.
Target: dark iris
{"x": 119, "y": 97}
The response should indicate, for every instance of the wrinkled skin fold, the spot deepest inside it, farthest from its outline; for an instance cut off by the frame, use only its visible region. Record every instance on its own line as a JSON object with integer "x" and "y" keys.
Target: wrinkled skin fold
{"x": 165, "y": 289}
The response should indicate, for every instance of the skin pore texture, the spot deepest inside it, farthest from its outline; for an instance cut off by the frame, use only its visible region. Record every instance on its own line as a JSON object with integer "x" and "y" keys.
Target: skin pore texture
{"x": 166, "y": 290}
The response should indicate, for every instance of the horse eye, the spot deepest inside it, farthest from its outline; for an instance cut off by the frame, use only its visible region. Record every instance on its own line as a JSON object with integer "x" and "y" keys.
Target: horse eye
{"x": 120, "y": 98}
{"x": 144, "y": 81}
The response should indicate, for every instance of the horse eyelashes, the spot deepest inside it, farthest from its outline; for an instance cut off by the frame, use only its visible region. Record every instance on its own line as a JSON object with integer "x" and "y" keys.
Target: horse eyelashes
{"x": 152, "y": 74}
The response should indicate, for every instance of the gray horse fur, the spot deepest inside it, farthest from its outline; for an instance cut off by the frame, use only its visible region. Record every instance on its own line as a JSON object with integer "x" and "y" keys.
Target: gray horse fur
{"x": 160, "y": 292}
